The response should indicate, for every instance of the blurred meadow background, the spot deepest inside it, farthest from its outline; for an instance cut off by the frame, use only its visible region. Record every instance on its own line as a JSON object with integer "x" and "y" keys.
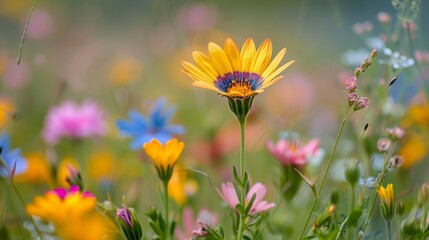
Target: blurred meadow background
{"x": 126, "y": 55}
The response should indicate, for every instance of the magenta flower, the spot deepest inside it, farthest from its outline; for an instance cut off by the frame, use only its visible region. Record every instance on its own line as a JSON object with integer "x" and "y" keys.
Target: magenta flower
{"x": 229, "y": 195}
{"x": 73, "y": 121}
{"x": 62, "y": 193}
{"x": 293, "y": 152}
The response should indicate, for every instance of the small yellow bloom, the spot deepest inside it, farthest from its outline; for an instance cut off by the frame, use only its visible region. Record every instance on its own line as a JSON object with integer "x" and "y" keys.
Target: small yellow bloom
{"x": 176, "y": 186}
{"x": 233, "y": 73}
{"x": 100, "y": 165}
{"x": 125, "y": 71}
{"x": 164, "y": 156}
{"x": 413, "y": 150}
{"x": 387, "y": 203}
{"x": 6, "y": 109}
{"x": 417, "y": 114}
{"x": 386, "y": 194}
{"x": 38, "y": 170}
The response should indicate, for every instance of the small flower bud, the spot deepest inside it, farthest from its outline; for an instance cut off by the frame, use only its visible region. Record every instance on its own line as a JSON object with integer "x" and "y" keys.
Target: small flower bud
{"x": 352, "y": 173}
{"x": 357, "y": 72}
{"x": 129, "y": 223}
{"x": 395, "y": 133}
{"x": 400, "y": 208}
{"x": 335, "y": 197}
{"x": 351, "y": 84}
{"x": 387, "y": 201}
{"x": 423, "y": 196}
{"x": 383, "y": 145}
{"x": 374, "y": 54}
{"x": 352, "y": 98}
{"x": 73, "y": 177}
{"x": 362, "y": 102}
{"x": 383, "y": 17}
{"x": 396, "y": 161}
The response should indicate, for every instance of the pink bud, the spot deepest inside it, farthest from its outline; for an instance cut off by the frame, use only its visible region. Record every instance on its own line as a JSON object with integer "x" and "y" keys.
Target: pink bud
{"x": 395, "y": 133}
{"x": 351, "y": 84}
{"x": 383, "y": 17}
{"x": 396, "y": 161}
{"x": 352, "y": 97}
{"x": 383, "y": 144}
{"x": 357, "y": 72}
{"x": 362, "y": 102}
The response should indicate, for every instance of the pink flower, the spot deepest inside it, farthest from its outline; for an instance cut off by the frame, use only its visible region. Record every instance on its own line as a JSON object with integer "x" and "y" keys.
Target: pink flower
{"x": 351, "y": 83}
{"x": 229, "y": 195}
{"x": 383, "y": 17}
{"x": 195, "y": 227}
{"x": 73, "y": 121}
{"x": 292, "y": 152}
{"x": 362, "y": 102}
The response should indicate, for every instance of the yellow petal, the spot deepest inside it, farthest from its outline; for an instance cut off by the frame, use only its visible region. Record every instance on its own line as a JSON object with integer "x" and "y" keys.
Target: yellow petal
{"x": 262, "y": 57}
{"x": 195, "y": 73}
{"x": 205, "y": 64}
{"x": 233, "y": 54}
{"x": 247, "y": 54}
{"x": 207, "y": 86}
{"x": 219, "y": 59}
{"x": 273, "y": 65}
{"x": 275, "y": 73}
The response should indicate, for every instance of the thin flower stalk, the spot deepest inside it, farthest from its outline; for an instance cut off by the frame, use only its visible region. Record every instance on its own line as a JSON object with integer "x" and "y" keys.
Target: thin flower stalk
{"x": 347, "y": 113}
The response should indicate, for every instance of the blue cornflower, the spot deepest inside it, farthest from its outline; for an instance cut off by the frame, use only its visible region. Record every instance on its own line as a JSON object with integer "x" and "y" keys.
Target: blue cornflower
{"x": 143, "y": 129}
{"x": 10, "y": 158}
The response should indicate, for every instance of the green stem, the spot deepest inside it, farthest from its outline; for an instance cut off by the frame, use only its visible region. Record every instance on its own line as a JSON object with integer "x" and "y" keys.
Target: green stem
{"x": 167, "y": 221}
{"x": 242, "y": 123}
{"x": 389, "y": 229}
{"x": 23, "y": 203}
{"x": 382, "y": 175}
{"x": 21, "y": 44}
{"x": 331, "y": 157}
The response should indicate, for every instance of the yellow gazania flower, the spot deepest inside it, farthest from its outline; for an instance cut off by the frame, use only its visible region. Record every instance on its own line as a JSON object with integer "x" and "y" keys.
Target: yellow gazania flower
{"x": 233, "y": 73}
{"x": 386, "y": 194}
{"x": 164, "y": 156}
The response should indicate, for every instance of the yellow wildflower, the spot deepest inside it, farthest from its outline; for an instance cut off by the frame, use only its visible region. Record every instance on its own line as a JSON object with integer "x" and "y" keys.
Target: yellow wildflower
{"x": 386, "y": 194}
{"x": 38, "y": 169}
{"x": 413, "y": 150}
{"x": 387, "y": 202}
{"x": 100, "y": 165}
{"x": 164, "y": 156}
{"x": 72, "y": 213}
{"x": 233, "y": 73}
{"x": 6, "y": 109}
{"x": 124, "y": 71}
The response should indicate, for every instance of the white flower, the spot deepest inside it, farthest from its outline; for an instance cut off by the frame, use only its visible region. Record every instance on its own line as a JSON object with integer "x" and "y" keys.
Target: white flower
{"x": 396, "y": 60}
{"x": 354, "y": 57}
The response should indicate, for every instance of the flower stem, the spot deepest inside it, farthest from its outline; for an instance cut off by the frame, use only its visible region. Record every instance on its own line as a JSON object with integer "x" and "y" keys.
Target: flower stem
{"x": 331, "y": 157}
{"x": 23, "y": 203}
{"x": 242, "y": 123}
{"x": 389, "y": 229}
{"x": 167, "y": 221}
